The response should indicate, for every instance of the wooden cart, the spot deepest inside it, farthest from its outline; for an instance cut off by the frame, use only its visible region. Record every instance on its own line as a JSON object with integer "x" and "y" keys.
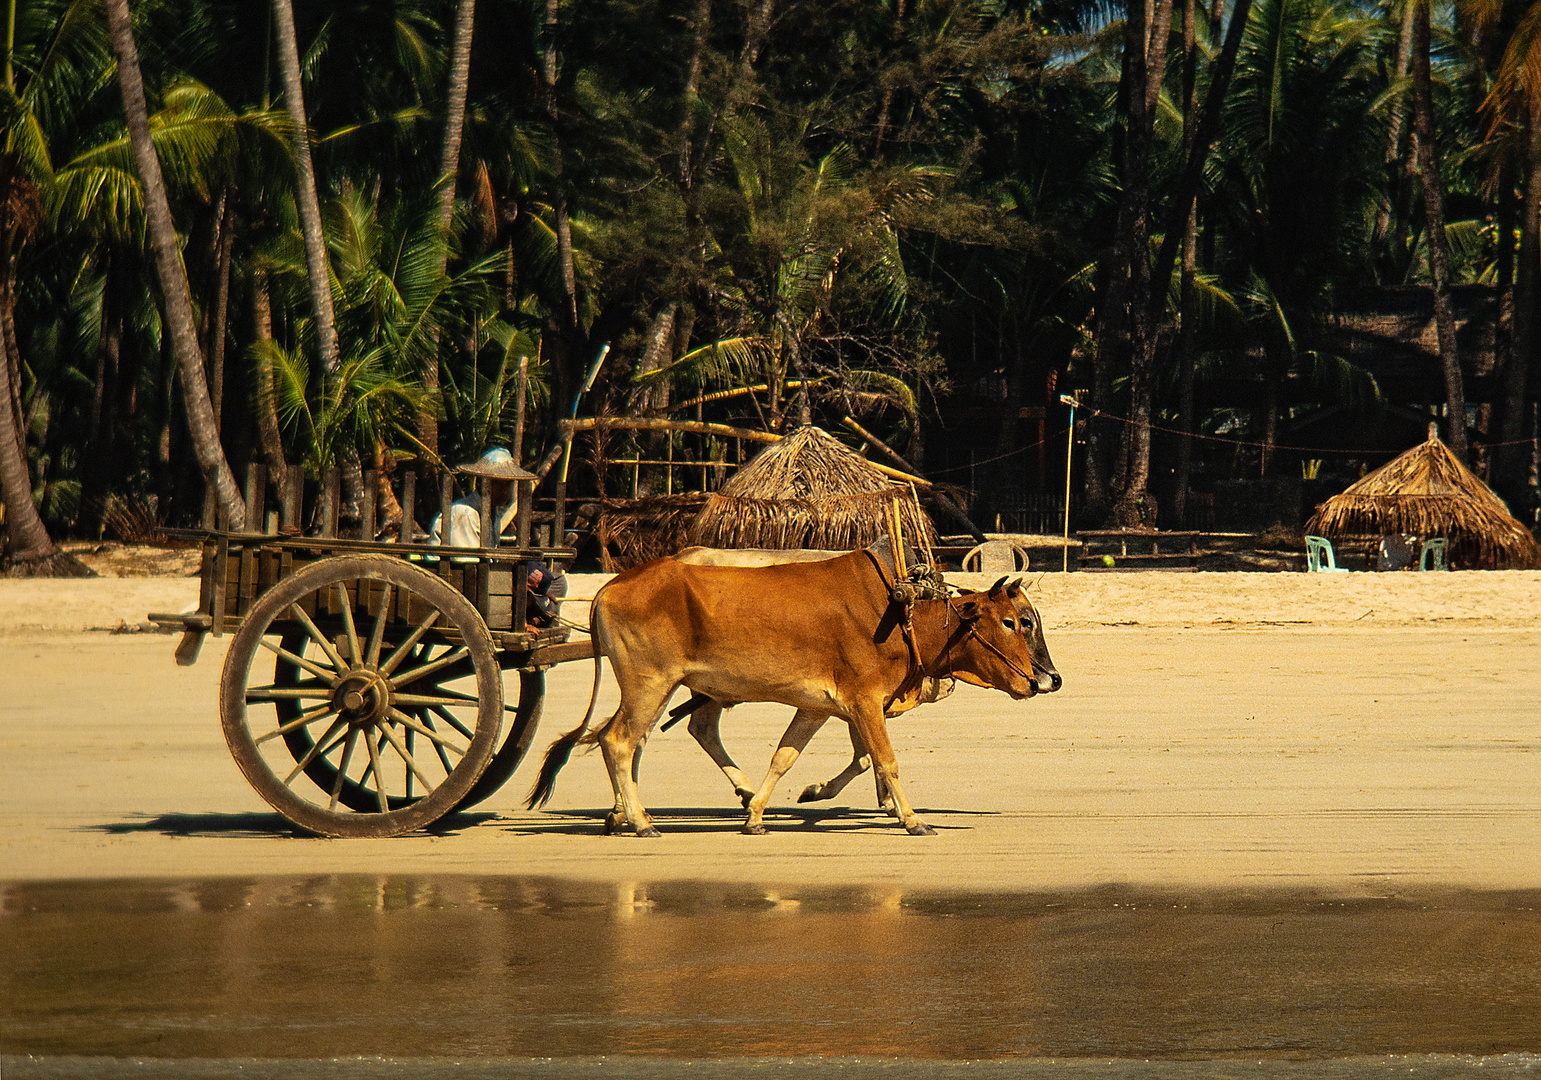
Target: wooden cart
{"x": 364, "y": 688}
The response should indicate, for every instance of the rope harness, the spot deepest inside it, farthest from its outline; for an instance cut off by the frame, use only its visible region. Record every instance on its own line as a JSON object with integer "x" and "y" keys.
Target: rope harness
{"x": 926, "y": 583}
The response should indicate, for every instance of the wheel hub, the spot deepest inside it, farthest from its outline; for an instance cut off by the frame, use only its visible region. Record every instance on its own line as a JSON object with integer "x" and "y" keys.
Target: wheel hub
{"x": 362, "y": 697}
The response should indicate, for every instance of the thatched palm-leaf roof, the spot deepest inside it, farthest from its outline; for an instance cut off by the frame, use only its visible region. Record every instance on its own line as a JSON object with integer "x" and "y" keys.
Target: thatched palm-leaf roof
{"x": 808, "y": 491}
{"x": 635, "y": 531}
{"x": 1429, "y": 492}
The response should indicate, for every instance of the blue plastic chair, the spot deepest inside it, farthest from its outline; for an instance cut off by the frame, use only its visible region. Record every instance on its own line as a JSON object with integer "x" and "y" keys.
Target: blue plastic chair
{"x": 1319, "y": 558}
{"x": 1432, "y": 557}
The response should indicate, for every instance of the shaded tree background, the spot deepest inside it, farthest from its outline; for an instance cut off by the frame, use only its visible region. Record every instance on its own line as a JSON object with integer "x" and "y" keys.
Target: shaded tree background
{"x": 936, "y": 216}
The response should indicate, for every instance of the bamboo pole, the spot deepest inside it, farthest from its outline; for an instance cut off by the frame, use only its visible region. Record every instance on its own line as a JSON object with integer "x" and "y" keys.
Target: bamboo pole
{"x": 639, "y": 423}
{"x": 943, "y": 500}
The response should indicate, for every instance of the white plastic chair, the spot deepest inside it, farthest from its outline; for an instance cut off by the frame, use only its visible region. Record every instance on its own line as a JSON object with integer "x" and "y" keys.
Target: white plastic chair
{"x": 996, "y": 557}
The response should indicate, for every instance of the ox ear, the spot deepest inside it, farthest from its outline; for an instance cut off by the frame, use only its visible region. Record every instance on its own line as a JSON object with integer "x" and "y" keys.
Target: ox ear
{"x": 997, "y": 590}
{"x": 968, "y": 610}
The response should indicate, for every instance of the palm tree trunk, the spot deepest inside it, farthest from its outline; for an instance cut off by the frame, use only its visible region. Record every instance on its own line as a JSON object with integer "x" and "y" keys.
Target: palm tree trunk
{"x": 1146, "y": 72}
{"x": 700, "y": 24}
{"x": 1393, "y": 155}
{"x": 1439, "y": 248}
{"x": 455, "y": 108}
{"x": 268, "y": 436}
{"x": 173, "y": 275}
{"x": 1513, "y": 461}
{"x": 570, "y": 374}
{"x": 316, "y": 262}
{"x": 221, "y": 309}
{"x": 1187, "y": 336}
{"x": 888, "y": 91}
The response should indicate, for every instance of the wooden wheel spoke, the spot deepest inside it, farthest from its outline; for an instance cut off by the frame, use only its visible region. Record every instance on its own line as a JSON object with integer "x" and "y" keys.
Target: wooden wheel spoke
{"x": 293, "y": 658}
{"x": 443, "y": 697}
{"x": 315, "y": 632}
{"x": 297, "y": 692}
{"x": 411, "y": 737}
{"x": 377, "y": 635}
{"x": 438, "y": 746}
{"x": 356, "y": 654}
{"x": 449, "y": 718}
{"x": 342, "y": 769}
{"x": 317, "y": 749}
{"x": 406, "y": 756}
{"x": 427, "y": 731}
{"x": 428, "y": 669}
{"x": 298, "y": 722}
{"x": 379, "y": 775}
{"x": 402, "y": 651}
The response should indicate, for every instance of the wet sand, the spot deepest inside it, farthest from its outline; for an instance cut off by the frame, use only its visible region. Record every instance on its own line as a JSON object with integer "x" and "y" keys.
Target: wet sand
{"x": 1318, "y": 793}
{"x": 475, "y": 967}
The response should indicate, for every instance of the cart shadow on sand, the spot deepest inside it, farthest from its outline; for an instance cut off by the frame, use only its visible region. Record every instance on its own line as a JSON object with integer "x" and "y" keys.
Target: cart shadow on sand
{"x": 254, "y": 825}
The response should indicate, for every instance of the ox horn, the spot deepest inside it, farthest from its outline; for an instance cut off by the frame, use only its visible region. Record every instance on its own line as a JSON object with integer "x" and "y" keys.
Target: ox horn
{"x": 1015, "y": 588}
{"x": 995, "y": 590}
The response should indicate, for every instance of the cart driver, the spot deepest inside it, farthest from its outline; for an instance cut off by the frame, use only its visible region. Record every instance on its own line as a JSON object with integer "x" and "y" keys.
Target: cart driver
{"x": 465, "y": 513}
{"x": 547, "y": 588}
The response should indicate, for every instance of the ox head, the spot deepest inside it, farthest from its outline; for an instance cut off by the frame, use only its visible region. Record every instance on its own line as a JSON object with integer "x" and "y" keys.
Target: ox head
{"x": 1003, "y": 648}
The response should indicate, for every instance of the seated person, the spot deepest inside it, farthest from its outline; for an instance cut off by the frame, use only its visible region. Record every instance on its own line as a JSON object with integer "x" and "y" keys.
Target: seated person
{"x": 1396, "y": 551}
{"x": 465, "y": 513}
{"x": 547, "y": 586}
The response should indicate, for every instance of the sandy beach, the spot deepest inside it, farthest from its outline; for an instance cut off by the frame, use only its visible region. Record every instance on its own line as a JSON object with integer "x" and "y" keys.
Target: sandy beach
{"x": 1350, "y": 733}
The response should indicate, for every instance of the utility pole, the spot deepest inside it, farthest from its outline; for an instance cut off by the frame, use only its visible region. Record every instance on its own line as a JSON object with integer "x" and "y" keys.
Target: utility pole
{"x": 1072, "y": 400}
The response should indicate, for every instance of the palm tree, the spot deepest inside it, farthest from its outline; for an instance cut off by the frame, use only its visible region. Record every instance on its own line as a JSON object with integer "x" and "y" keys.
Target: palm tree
{"x": 173, "y": 275}
{"x": 305, "y": 191}
{"x": 1438, "y": 243}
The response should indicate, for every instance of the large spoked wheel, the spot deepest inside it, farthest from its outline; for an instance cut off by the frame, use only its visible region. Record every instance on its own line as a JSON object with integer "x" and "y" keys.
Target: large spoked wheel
{"x": 362, "y": 697}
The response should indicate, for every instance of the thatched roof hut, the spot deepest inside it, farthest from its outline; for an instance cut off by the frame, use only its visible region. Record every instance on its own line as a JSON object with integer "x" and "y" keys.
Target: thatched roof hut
{"x": 808, "y": 491}
{"x": 635, "y": 531}
{"x": 1429, "y": 492}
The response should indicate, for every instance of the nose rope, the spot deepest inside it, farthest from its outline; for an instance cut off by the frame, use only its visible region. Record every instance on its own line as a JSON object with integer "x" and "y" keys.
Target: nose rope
{"x": 973, "y": 629}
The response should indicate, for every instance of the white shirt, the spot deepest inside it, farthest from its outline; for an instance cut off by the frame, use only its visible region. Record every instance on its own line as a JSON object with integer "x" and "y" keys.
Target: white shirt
{"x": 465, "y": 522}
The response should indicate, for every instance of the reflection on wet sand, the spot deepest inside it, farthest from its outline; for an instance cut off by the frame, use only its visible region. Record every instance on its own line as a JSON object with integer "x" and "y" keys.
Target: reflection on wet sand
{"x": 425, "y": 966}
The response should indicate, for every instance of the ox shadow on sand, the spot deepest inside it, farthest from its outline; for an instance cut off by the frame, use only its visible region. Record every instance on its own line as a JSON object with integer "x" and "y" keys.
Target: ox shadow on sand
{"x": 698, "y": 819}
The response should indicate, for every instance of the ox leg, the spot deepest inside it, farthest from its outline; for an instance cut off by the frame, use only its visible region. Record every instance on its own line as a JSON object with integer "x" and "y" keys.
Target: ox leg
{"x": 861, "y": 761}
{"x": 620, "y": 741}
{"x": 802, "y": 728}
{"x": 705, "y": 727}
{"x": 615, "y": 820}
{"x": 873, "y": 731}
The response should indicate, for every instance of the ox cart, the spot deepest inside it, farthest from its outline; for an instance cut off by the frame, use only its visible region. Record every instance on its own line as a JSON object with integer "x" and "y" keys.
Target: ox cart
{"x": 364, "y": 689}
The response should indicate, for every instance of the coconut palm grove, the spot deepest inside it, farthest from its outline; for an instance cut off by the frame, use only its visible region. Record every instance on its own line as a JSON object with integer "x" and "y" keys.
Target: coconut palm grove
{"x": 1259, "y": 244}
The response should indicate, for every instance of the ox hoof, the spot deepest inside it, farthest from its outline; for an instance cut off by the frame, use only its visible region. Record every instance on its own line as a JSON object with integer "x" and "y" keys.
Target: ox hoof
{"x": 614, "y": 823}
{"x": 812, "y": 793}
{"x": 649, "y": 831}
{"x": 745, "y": 796}
{"x": 754, "y": 830}
{"x": 920, "y": 828}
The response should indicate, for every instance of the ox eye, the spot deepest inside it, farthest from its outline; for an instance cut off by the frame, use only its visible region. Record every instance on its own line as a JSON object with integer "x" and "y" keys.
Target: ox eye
{"x": 1009, "y": 624}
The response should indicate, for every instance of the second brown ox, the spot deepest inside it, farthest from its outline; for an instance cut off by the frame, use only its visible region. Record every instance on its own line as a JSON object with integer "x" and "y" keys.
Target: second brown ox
{"x": 823, "y": 637}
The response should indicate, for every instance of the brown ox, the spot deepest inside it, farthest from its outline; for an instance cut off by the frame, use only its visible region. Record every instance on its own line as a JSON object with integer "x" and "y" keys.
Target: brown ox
{"x": 822, "y": 637}
{"x": 706, "y": 715}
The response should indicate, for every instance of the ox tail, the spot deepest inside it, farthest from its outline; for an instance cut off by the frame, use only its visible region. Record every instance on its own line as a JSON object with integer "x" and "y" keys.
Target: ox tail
{"x": 558, "y": 752}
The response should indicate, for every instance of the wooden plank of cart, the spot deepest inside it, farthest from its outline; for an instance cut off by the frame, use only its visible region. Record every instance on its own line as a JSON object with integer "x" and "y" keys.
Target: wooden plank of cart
{"x": 364, "y": 688}
{"x": 1152, "y": 550}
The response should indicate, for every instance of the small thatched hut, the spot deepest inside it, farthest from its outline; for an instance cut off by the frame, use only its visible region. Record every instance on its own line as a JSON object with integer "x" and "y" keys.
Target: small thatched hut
{"x": 1428, "y": 491}
{"x": 635, "y": 531}
{"x": 808, "y": 491}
